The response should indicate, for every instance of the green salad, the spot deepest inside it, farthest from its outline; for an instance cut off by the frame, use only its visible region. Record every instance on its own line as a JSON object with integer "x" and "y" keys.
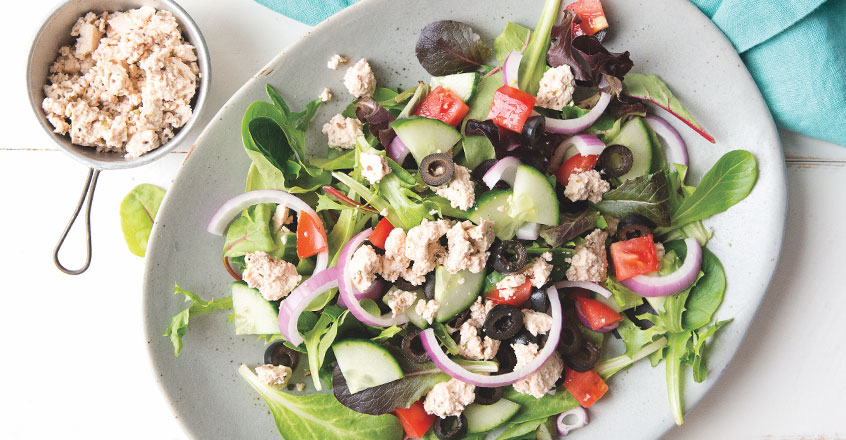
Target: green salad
{"x": 477, "y": 255}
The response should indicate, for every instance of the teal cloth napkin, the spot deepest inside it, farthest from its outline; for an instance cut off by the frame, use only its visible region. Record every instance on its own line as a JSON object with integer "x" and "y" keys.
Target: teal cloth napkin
{"x": 794, "y": 49}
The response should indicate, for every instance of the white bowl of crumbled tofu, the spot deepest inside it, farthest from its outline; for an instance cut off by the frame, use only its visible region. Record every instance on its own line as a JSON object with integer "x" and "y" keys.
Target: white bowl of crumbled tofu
{"x": 120, "y": 83}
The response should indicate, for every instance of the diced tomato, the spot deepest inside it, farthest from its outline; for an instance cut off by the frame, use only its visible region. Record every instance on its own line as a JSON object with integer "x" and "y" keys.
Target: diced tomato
{"x": 592, "y": 15}
{"x": 634, "y": 257}
{"x": 415, "y": 420}
{"x": 575, "y": 164}
{"x": 520, "y": 296}
{"x": 444, "y": 105}
{"x": 380, "y": 233}
{"x": 511, "y": 107}
{"x": 311, "y": 237}
{"x": 586, "y": 387}
{"x": 597, "y": 313}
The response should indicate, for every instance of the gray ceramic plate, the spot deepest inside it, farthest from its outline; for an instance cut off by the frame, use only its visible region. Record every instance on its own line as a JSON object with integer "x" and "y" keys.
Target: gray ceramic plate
{"x": 668, "y": 37}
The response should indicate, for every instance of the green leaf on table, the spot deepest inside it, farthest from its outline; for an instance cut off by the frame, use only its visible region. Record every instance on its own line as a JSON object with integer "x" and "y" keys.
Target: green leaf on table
{"x": 137, "y": 214}
{"x": 644, "y": 195}
{"x": 179, "y": 323}
{"x": 513, "y": 37}
{"x": 653, "y": 89}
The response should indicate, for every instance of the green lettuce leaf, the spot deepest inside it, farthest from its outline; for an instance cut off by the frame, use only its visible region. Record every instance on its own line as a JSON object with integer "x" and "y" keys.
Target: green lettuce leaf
{"x": 512, "y": 38}
{"x": 250, "y": 232}
{"x": 644, "y": 195}
{"x": 532, "y": 408}
{"x": 653, "y": 89}
{"x": 319, "y": 339}
{"x": 179, "y": 323}
{"x": 696, "y": 359}
{"x": 533, "y": 64}
{"x": 137, "y": 213}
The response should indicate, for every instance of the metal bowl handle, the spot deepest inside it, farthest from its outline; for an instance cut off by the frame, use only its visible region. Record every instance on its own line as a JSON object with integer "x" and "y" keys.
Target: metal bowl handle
{"x": 86, "y": 197}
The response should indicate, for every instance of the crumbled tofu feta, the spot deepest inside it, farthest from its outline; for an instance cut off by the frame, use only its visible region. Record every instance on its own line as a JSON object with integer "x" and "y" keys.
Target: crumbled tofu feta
{"x": 280, "y": 218}
{"x": 508, "y": 286}
{"x": 299, "y": 386}
{"x": 589, "y": 262}
{"x": 337, "y": 61}
{"x": 536, "y": 323}
{"x": 359, "y": 79}
{"x": 427, "y": 309}
{"x": 472, "y": 346}
{"x": 342, "y": 131}
{"x": 479, "y": 312}
{"x": 325, "y": 95}
{"x": 399, "y": 301}
{"x": 275, "y": 279}
{"x": 373, "y": 167}
{"x": 659, "y": 251}
{"x": 612, "y": 225}
{"x": 556, "y": 88}
{"x": 587, "y": 185}
{"x": 538, "y": 271}
{"x": 394, "y": 262}
{"x": 468, "y": 246}
{"x": 384, "y": 212}
{"x": 541, "y": 381}
{"x": 363, "y": 266}
{"x": 127, "y": 84}
{"x": 449, "y": 398}
{"x": 459, "y": 191}
{"x": 273, "y": 375}
{"x": 423, "y": 248}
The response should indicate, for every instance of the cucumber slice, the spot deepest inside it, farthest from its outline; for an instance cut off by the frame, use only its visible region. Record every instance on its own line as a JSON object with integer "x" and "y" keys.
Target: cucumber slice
{"x": 424, "y": 136}
{"x": 365, "y": 364}
{"x": 482, "y": 418}
{"x": 462, "y": 84}
{"x": 534, "y": 197}
{"x": 493, "y": 206}
{"x": 635, "y": 136}
{"x": 253, "y": 315}
{"x": 413, "y": 316}
{"x": 455, "y": 292}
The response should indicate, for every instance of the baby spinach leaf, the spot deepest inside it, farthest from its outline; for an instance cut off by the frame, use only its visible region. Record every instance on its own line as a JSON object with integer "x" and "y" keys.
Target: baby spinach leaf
{"x": 532, "y": 408}
{"x": 137, "y": 213}
{"x": 533, "y": 64}
{"x": 179, "y": 323}
{"x": 320, "y": 415}
{"x": 707, "y": 295}
{"x": 446, "y": 47}
{"x": 570, "y": 227}
{"x": 697, "y": 358}
{"x": 653, "y": 89}
{"x": 644, "y": 195}
{"x": 513, "y": 37}
{"x": 728, "y": 182}
{"x": 250, "y": 232}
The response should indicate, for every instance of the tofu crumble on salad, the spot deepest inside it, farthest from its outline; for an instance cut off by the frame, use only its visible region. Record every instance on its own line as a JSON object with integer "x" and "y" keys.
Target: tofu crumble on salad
{"x": 462, "y": 260}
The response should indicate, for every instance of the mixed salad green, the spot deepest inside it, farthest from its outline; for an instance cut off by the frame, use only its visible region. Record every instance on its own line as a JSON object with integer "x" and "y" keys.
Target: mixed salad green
{"x": 460, "y": 263}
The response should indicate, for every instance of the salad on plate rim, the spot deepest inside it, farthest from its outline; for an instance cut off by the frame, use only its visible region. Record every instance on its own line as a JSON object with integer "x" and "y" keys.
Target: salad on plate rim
{"x": 475, "y": 256}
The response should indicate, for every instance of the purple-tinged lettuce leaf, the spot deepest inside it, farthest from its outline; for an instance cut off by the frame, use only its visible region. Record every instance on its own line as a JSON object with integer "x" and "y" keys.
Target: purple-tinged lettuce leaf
{"x": 561, "y": 50}
{"x": 377, "y": 118}
{"x": 570, "y": 227}
{"x": 644, "y": 195}
{"x": 446, "y": 47}
{"x": 654, "y": 90}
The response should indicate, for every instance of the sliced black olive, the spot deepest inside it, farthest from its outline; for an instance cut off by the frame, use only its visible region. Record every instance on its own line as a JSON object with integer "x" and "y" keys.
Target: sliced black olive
{"x": 633, "y": 226}
{"x": 507, "y": 360}
{"x": 503, "y": 322}
{"x": 616, "y": 160}
{"x": 488, "y": 396}
{"x": 481, "y": 169}
{"x": 402, "y": 284}
{"x": 450, "y": 428}
{"x": 412, "y": 347}
{"x": 533, "y": 129}
{"x": 437, "y": 169}
{"x": 502, "y": 258}
{"x": 429, "y": 285}
{"x": 585, "y": 359}
{"x": 524, "y": 338}
{"x": 641, "y": 309}
{"x": 539, "y": 301}
{"x": 278, "y": 354}
{"x": 571, "y": 339}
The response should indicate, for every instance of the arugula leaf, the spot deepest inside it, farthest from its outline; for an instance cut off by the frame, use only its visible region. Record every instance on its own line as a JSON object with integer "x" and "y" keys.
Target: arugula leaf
{"x": 179, "y": 323}
{"x": 406, "y": 207}
{"x": 608, "y": 367}
{"x": 623, "y": 297}
{"x": 444, "y": 338}
{"x": 570, "y": 226}
{"x": 533, "y": 64}
{"x": 320, "y": 415}
{"x": 446, "y": 47}
{"x": 478, "y": 149}
{"x": 250, "y": 232}
{"x": 318, "y": 340}
{"x": 644, "y": 195}
{"x": 677, "y": 351}
{"x": 386, "y": 333}
{"x": 137, "y": 213}
{"x": 532, "y": 408}
{"x": 707, "y": 295}
{"x": 653, "y": 89}
{"x": 728, "y": 182}
{"x": 512, "y": 38}
{"x": 697, "y": 356}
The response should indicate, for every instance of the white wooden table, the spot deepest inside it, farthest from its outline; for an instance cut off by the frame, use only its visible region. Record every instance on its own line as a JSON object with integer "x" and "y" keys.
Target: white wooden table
{"x": 73, "y": 361}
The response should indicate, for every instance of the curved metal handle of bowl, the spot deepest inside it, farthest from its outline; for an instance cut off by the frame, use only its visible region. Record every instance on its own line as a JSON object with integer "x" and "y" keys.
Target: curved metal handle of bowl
{"x": 86, "y": 197}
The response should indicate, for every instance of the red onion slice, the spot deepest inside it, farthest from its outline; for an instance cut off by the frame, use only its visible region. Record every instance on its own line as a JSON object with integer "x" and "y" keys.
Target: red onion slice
{"x": 448, "y": 366}
{"x": 586, "y": 144}
{"x": 293, "y": 305}
{"x": 505, "y": 169}
{"x": 510, "y": 68}
{"x": 528, "y": 231}
{"x": 348, "y": 292}
{"x": 589, "y": 285}
{"x": 684, "y": 277}
{"x": 676, "y": 150}
{"x": 583, "y": 319}
{"x": 580, "y": 416}
{"x": 570, "y": 126}
{"x": 397, "y": 150}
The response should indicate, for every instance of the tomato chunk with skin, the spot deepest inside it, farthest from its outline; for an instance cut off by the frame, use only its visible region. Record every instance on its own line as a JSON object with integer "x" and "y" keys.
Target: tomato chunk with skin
{"x": 592, "y": 15}
{"x": 511, "y": 107}
{"x": 415, "y": 421}
{"x": 311, "y": 237}
{"x": 597, "y": 313}
{"x": 443, "y": 105}
{"x": 380, "y": 233}
{"x": 634, "y": 257}
{"x": 520, "y": 296}
{"x": 586, "y": 387}
{"x": 575, "y": 164}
